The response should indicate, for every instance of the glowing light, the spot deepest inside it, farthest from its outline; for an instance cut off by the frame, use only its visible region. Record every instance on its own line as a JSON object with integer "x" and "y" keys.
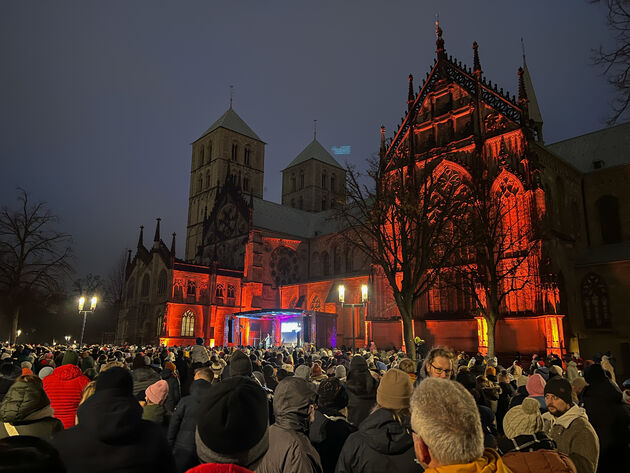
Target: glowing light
{"x": 81, "y": 302}
{"x": 364, "y": 293}
{"x": 342, "y": 293}
{"x": 93, "y": 303}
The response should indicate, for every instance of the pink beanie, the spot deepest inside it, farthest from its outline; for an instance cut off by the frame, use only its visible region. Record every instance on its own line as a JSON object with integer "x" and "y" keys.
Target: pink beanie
{"x": 157, "y": 392}
{"x": 536, "y": 385}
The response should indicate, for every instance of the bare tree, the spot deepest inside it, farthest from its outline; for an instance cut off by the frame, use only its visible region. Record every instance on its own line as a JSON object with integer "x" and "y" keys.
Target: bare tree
{"x": 88, "y": 285}
{"x": 616, "y": 61}
{"x": 115, "y": 282}
{"x": 400, "y": 215}
{"x": 34, "y": 258}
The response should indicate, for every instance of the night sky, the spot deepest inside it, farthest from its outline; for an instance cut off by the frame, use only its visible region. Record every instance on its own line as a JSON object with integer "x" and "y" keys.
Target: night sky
{"x": 100, "y": 101}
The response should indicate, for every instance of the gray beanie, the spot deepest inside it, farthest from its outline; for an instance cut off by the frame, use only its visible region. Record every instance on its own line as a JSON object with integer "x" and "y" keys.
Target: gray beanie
{"x": 303, "y": 372}
{"x": 523, "y": 420}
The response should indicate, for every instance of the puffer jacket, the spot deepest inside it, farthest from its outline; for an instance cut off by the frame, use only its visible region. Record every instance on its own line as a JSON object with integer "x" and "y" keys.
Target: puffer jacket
{"x": 361, "y": 387}
{"x": 534, "y": 453}
{"x": 64, "y": 387}
{"x": 143, "y": 378}
{"x": 27, "y": 408}
{"x": 111, "y": 437}
{"x": 290, "y": 449}
{"x": 382, "y": 444}
{"x": 181, "y": 430}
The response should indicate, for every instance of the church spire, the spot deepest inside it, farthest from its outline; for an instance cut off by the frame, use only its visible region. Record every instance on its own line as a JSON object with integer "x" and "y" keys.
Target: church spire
{"x": 476, "y": 63}
{"x": 314, "y": 130}
{"x": 439, "y": 42}
{"x": 140, "y": 238}
{"x": 173, "y": 246}
{"x": 156, "y": 238}
{"x": 532, "y": 102}
{"x": 382, "y": 150}
{"x": 410, "y": 96}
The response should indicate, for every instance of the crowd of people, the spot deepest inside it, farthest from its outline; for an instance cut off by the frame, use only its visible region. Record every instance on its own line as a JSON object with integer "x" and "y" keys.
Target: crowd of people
{"x": 307, "y": 410}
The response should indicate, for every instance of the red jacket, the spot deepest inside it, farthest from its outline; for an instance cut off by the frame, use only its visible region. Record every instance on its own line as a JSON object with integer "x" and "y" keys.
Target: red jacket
{"x": 64, "y": 387}
{"x": 219, "y": 468}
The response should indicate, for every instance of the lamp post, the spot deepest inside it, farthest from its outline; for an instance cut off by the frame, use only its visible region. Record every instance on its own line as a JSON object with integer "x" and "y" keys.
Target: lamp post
{"x": 68, "y": 337}
{"x": 363, "y": 303}
{"x": 18, "y": 333}
{"x": 84, "y": 310}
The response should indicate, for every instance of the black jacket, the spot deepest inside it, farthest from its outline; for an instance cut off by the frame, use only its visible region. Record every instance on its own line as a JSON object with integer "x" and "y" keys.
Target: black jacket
{"x": 181, "y": 431}
{"x": 112, "y": 437}
{"x": 327, "y": 433}
{"x": 382, "y": 444}
{"x": 174, "y": 390}
{"x": 143, "y": 378}
{"x": 361, "y": 387}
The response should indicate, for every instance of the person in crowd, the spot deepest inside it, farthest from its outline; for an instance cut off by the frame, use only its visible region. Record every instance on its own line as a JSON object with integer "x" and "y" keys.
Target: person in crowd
{"x": 289, "y": 447}
{"x": 317, "y": 376}
{"x": 143, "y": 376}
{"x": 361, "y": 387}
{"x": 503, "y": 405}
{"x": 64, "y": 387}
{"x": 270, "y": 373}
{"x": 232, "y": 433}
{"x": 408, "y": 366}
{"x": 169, "y": 374}
{"x": 525, "y": 447}
{"x": 111, "y": 435}
{"x": 29, "y": 454}
{"x": 446, "y": 428}
{"x": 25, "y": 410}
{"x": 610, "y": 417}
{"x": 240, "y": 364}
{"x": 439, "y": 363}
{"x": 568, "y": 425}
{"x": 486, "y": 415}
{"x": 578, "y": 385}
{"x": 45, "y": 371}
{"x": 304, "y": 372}
{"x": 181, "y": 430}
{"x": 330, "y": 428}
{"x": 8, "y": 373}
{"x": 383, "y": 442}
{"x": 199, "y": 354}
{"x": 153, "y": 409}
{"x": 340, "y": 373}
{"x": 536, "y": 389}
{"x": 626, "y": 391}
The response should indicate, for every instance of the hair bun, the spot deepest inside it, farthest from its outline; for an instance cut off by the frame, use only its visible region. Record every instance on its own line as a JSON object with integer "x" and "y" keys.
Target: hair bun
{"x": 530, "y": 406}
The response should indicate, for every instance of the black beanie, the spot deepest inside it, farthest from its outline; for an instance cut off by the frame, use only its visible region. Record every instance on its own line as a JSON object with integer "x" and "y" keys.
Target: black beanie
{"x": 560, "y": 387}
{"x": 332, "y": 393}
{"x": 240, "y": 364}
{"x": 115, "y": 378}
{"x": 232, "y": 423}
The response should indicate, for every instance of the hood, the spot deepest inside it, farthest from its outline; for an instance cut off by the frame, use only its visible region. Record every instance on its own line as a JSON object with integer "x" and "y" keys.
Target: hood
{"x": 490, "y": 462}
{"x": 291, "y": 401}
{"x": 359, "y": 380}
{"x": 67, "y": 372}
{"x": 565, "y": 419}
{"x": 219, "y": 468}
{"x": 22, "y": 400}
{"x": 383, "y": 433}
{"x": 145, "y": 373}
{"x": 110, "y": 416}
{"x": 603, "y": 392}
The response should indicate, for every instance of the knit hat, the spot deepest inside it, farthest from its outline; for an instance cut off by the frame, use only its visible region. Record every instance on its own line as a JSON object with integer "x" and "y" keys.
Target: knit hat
{"x": 340, "y": 371}
{"x": 217, "y": 368}
{"x": 303, "y": 372}
{"x": 115, "y": 378}
{"x": 240, "y": 364}
{"x": 524, "y": 419}
{"x": 70, "y": 358}
{"x": 491, "y": 371}
{"x": 26, "y": 364}
{"x": 555, "y": 370}
{"x": 521, "y": 381}
{"x": 45, "y": 371}
{"x": 170, "y": 366}
{"x": 332, "y": 393}
{"x": 232, "y": 423}
{"x": 536, "y": 385}
{"x": 561, "y": 388}
{"x": 395, "y": 390}
{"x": 316, "y": 371}
{"x": 157, "y": 392}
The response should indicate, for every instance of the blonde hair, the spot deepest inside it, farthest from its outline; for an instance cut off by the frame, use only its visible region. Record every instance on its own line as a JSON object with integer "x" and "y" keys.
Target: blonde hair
{"x": 88, "y": 391}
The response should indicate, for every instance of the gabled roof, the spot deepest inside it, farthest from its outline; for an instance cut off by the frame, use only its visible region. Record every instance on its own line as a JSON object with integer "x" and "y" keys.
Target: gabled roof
{"x": 231, "y": 121}
{"x": 290, "y": 221}
{"x": 315, "y": 151}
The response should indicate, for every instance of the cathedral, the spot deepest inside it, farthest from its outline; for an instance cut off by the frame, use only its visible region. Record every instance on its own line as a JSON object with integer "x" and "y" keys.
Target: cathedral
{"x": 256, "y": 271}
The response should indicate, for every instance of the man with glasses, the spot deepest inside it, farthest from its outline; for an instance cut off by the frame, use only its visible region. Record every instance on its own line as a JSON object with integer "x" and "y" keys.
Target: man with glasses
{"x": 440, "y": 363}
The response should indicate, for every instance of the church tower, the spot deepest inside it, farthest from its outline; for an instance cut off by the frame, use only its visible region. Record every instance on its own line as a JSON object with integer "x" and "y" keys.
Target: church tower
{"x": 228, "y": 148}
{"x": 314, "y": 181}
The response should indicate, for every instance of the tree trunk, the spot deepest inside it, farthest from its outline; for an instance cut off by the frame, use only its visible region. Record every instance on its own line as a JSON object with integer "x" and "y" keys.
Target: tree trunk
{"x": 408, "y": 334}
{"x": 491, "y": 321}
{"x": 14, "y": 324}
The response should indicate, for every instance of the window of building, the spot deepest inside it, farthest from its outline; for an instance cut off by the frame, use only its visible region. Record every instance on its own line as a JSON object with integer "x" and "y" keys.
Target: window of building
{"x": 595, "y": 302}
{"x": 293, "y": 189}
{"x": 246, "y": 184}
{"x": 608, "y": 212}
{"x": 199, "y": 183}
{"x": 146, "y": 283}
{"x": 301, "y": 179}
{"x": 231, "y": 291}
{"x": 131, "y": 289}
{"x": 234, "y": 152}
{"x": 324, "y": 179}
{"x": 301, "y": 202}
{"x": 332, "y": 182}
{"x": 219, "y": 291}
{"x": 191, "y": 288}
{"x": 188, "y": 324}
{"x": 324, "y": 203}
{"x": 162, "y": 283}
{"x": 348, "y": 259}
{"x": 201, "y": 156}
{"x": 246, "y": 155}
{"x": 336, "y": 260}
{"x": 325, "y": 263}
{"x": 210, "y": 151}
{"x": 316, "y": 303}
{"x": 208, "y": 180}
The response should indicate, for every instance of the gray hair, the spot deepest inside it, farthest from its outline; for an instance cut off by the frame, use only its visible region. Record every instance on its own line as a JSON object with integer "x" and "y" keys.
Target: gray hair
{"x": 446, "y": 417}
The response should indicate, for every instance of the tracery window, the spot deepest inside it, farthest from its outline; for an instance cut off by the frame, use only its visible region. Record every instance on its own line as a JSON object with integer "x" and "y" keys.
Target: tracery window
{"x": 595, "y": 302}
{"x": 162, "y": 282}
{"x": 219, "y": 291}
{"x": 146, "y": 283}
{"x": 231, "y": 291}
{"x": 188, "y": 324}
{"x": 191, "y": 288}
{"x": 325, "y": 263}
{"x": 315, "y": 303}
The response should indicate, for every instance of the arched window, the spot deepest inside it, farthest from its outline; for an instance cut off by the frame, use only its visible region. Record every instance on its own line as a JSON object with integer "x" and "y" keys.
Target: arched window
{"x": 608, "y": 212}
{"x": 332, "y": 182}
{"x": 336, "y": 260}
{"x": 348, "y": 259}
{"x": 315, "y": 303}
{"x": 191, "y": 288}
{"x": 246, "y": 184}
{"x": 162, "y": 283}
{"x": 207, "y": 179}
{"x": 201, "y": 156}
{"x": 315, "y": 264}
{"x": 325, "y": 264}
{"x": 324, "y": 178}
{"x": 188, "y": 324}
{"x": 210, "y": 151}
{"x": 301, "y": 179}
{"x": 246, "y": 156}
{"x": 234, "y": 151}
{"x": 146, "y": 283}
{"x": 219, "y": 291}
{"x": 199, "y": 183}
{"x": 595, "y": 302}
{"x": 131, "y": 289}
{"x": 231, "y": 291}
{"x": 293, "y": 189}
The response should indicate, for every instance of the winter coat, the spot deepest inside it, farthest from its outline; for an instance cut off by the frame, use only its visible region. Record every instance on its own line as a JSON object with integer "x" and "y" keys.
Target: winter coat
{"x": 290, "y": 450}
{"x": 157, "y": 413}
{"x": 490, "y": 462}
{"x": 174, "y": 390}
{"x": 327, "y": 433}
{"x": 64, "y": 387}
{"x": 507, "y": 392}
{"x": 219, "y": 468}
{"x": 610, "y": 417}
{"x": 533, "y": 454}
{"x": 27, "y": 408}
{"x": 488, "y": 426}
{"x": 361, "y": 387}
{"x": 572, "y": 371}
{"x": 111, "y": 437}
{"x": 198, "y": 354}
{"x": 181, "y": 430}
{"x": 382, "y": 444}
{"x": 143, "y": 377}
{"x": 5, "y": 384}
{"x": 575, "y": 437}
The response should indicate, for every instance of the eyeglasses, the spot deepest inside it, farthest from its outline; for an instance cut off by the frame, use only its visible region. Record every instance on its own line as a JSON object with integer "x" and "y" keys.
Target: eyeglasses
{"x": 441, "y": 370}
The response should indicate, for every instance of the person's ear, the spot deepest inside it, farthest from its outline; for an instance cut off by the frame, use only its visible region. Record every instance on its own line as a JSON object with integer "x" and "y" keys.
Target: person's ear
{"x": 422, "y": 450}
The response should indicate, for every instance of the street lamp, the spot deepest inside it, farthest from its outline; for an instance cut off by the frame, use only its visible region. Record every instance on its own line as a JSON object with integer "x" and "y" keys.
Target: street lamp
{"x": 68, "y": 337}
{"x": 19, "y": 332}
{"x": 363, "y": 303}
{"x": 84, "y": 310}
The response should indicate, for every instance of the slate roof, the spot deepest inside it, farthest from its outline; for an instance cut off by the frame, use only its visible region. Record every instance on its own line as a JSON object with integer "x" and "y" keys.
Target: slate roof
{"x": 231, "y": 121}
{"x": 315, "y": 151}
{"x": 290, "y": 221}
{"x": 610, "y": 145}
